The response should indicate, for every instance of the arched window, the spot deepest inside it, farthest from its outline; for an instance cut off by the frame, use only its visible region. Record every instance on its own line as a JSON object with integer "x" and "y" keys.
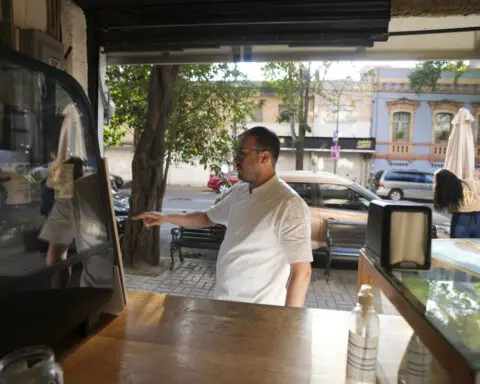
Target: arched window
{"x": 443, "y": 126}
{"x": 401, "y": 126}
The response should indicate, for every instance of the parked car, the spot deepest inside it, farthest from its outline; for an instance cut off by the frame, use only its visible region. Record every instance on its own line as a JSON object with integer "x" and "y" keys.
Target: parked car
{"x": 222, "y": 182}
{"x": 333, "y": 197}
{"x": 405, "y": 184}
{"x": 116, "y": 181}
{"x": 121, "y": 206}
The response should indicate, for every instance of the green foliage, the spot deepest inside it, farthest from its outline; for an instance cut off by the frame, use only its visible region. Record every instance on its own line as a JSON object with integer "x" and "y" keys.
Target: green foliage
{"x": 128, "y": 87}
{"x": 289, "y": 81}
{"x": 208, "y": 98}
{"x": 425, "y": 76}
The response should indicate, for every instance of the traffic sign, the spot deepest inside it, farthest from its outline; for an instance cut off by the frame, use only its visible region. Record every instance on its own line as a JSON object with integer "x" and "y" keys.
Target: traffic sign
{"x": 335, "y": 153}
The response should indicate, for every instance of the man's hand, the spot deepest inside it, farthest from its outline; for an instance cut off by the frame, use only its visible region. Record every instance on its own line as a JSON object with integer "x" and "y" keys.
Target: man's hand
{"x": 151, "y": 219}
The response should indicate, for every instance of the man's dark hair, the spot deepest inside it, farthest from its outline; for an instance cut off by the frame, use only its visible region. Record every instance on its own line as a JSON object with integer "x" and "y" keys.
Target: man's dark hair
{"x": 266, "y": 140}
{"x": 448, "y": 192}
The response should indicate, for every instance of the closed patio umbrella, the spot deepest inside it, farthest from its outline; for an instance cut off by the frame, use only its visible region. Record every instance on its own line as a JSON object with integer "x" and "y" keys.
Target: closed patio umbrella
{"x": 460, "y": 157}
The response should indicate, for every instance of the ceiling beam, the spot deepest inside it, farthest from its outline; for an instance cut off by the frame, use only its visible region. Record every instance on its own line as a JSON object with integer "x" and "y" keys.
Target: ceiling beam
{"x": 399, "y": 8}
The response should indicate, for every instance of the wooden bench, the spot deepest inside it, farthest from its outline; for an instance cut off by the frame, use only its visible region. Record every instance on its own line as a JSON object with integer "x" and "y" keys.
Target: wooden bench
{"x": 204, "y": 238}
{"x": 344, "y": 241}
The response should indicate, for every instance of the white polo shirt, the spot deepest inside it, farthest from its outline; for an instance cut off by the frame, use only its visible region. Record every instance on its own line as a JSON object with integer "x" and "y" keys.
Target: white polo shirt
{"x": 267, "y": 230}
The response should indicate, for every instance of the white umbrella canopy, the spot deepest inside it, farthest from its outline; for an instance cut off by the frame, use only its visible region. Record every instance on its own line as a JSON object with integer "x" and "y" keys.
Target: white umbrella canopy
{"x": 460, "y": 156}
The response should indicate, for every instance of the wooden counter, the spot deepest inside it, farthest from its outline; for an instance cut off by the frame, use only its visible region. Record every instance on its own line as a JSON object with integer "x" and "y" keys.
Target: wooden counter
{"x": 168, "y": 339}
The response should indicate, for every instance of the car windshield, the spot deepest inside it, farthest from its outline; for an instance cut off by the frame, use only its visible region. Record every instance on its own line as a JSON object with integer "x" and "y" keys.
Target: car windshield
{"x": 364, "y": 193}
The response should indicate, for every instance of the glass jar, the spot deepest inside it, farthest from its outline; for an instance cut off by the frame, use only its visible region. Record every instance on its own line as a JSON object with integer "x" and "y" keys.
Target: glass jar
{"x": 30, "y": 365}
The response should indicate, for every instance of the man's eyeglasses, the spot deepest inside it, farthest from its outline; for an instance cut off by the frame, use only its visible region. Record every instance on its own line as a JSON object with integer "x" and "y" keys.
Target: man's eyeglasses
{"x": 241, "y": 152}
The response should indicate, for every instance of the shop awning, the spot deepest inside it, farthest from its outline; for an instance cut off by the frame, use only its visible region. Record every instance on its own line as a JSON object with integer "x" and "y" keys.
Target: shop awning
{"x": 185, "y": 31}
{"x": 126, "y": 28}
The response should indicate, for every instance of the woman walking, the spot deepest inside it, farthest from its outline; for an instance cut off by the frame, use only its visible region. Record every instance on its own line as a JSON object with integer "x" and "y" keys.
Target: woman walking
{"x": 460, "y": 198}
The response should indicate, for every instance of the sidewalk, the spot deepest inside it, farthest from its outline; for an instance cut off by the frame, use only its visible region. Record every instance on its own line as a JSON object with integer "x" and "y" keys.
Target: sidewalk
{"x": 196, "y": 278}
{"x": 186, "y": 188}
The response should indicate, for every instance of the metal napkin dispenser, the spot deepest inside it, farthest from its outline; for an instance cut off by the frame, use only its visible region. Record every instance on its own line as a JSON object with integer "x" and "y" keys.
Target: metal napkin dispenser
{"x": 399, "y": 235}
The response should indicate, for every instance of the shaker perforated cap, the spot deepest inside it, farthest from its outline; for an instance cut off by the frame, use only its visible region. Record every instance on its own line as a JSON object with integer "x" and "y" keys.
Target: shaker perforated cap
{"x": 365, "y": 296}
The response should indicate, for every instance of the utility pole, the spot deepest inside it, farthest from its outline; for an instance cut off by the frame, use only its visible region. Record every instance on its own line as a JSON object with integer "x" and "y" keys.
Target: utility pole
{"x": 335, "y": 138}
{"x": 336, "y": 133}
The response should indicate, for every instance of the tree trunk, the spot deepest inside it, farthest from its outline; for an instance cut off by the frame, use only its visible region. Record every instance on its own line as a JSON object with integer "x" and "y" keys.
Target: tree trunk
{"x": 303, "y": 121}
{"x": 136, "y": 138}
{"x": 148, "y": 184}
{"x": 299, "y": 149}
{"x": 292, "y": 127}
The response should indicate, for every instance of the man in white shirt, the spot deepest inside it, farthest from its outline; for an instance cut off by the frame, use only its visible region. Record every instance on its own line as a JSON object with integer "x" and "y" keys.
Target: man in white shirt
{"x": 266, "y": 254}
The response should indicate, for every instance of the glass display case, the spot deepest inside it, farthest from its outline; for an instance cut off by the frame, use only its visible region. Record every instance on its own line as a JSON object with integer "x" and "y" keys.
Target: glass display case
{"x": 56, "y": 253}
{"x": 441, "y": 305}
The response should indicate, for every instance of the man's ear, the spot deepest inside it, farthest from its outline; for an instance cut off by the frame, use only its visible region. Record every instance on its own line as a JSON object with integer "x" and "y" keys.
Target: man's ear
{"x": 265, "y": 157}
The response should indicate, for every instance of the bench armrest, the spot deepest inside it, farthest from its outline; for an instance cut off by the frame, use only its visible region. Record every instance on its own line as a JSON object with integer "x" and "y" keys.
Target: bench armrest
{"x": 176, "y": 233}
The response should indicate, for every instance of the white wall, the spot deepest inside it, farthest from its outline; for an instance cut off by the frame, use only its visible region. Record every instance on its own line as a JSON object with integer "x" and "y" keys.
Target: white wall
{"x": 120, "y": 162}
{"x": 351, "y": 165}
{"x": 74, "y": 34}
{"x": 190, "y": 175}
{"x": 346, "y": 128}
{"x": 281, "y": 129}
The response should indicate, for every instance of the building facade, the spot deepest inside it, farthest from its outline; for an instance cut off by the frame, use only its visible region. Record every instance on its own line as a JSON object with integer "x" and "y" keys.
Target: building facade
{"x": 412, "y": 130}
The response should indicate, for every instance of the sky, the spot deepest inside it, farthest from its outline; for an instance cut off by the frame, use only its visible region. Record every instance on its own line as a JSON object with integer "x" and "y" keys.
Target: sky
{"x": 338, "y": 70}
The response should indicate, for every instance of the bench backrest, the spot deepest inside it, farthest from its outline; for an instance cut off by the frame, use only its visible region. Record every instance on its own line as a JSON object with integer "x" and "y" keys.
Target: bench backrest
{"x": 216, "y": 234}
{"x": 343, "y": 234}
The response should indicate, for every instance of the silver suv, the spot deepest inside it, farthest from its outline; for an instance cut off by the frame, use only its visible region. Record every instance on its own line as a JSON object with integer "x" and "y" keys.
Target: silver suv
{"x": 404, "y": 184}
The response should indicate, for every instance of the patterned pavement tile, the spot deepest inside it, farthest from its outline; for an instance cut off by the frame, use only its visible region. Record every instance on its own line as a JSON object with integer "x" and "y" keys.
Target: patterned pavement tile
{"x": 196, "y": 278}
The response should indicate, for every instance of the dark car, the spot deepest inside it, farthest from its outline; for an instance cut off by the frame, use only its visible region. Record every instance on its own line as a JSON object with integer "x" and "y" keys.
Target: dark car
{"x": 116, "y": 181}
{"x": 121, "y": 206}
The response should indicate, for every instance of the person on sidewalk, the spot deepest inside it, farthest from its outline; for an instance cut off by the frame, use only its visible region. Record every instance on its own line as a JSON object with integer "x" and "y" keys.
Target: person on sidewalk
{"x": 266, "y": 254}
{"x": 462, "y": 199}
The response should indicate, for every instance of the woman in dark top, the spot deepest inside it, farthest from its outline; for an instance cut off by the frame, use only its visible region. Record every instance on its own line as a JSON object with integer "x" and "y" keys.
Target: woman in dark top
{"x": 461, "y": 199}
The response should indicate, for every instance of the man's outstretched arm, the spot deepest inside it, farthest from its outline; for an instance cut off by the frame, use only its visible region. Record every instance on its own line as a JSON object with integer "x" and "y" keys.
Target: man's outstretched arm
{"x": 187, "y": 220}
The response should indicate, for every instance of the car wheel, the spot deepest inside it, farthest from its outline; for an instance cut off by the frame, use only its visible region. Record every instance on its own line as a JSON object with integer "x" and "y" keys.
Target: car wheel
{"x": 222, "y": 187}
{"x": 395, "y": 194}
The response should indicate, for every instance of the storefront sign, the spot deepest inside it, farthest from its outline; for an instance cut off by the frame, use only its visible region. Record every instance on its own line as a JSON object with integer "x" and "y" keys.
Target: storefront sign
{"x": 365, "y": 144}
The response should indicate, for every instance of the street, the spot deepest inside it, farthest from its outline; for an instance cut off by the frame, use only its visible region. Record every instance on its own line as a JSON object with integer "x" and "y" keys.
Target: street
{"x": 187, "y": 199}
{"x": 178, "y": 200}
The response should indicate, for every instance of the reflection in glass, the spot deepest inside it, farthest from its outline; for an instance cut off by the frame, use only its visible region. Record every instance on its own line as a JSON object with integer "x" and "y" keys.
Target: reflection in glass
{"x": 51, "y": 209}
{"x": 449, "y": 294}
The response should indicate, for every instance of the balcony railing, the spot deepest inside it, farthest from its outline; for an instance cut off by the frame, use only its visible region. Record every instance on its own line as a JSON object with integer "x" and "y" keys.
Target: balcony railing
{"x": 400, "y": 148}
{"x": 439, "y": 150}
